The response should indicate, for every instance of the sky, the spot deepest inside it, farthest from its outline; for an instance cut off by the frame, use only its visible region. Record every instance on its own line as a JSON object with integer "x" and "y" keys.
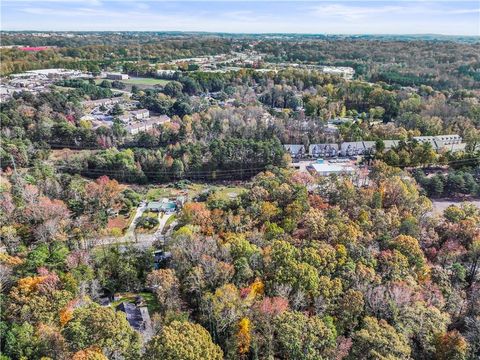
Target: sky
{"x": 450, "y": 17}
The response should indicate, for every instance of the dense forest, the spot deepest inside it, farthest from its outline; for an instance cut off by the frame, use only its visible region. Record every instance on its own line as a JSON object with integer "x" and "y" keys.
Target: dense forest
{"x": 337, "y": 272}
{"x": 258, "y": 260}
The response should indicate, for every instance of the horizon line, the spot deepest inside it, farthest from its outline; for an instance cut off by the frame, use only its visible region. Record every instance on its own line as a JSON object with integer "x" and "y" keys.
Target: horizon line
{"x": 240, "y": 33}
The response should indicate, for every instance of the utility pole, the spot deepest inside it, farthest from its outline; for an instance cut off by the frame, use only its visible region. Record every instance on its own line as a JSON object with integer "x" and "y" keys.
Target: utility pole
{"x": 14, "y": 165}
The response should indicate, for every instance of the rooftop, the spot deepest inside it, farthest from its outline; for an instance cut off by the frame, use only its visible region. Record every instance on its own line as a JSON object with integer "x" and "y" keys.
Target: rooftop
{"x": 327, "y": 168}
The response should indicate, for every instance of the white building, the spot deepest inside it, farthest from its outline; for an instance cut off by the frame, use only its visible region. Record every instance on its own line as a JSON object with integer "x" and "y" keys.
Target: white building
{"x": 330, "y": 168}
{"x": 140, "y": 114}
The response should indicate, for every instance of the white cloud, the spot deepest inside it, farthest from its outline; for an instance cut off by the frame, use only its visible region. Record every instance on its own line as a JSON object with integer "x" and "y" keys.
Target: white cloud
{"x": 353, "y": 12}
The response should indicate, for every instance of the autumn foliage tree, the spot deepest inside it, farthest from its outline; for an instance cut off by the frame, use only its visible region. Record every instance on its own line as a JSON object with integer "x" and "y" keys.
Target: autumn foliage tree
{"x": 182, "y": 341}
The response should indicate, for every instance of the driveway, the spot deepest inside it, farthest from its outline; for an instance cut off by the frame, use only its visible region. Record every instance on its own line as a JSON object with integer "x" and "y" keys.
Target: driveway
{"x": 141, "y": 240}
{"x": 162, "y": 221}
{"x": 138, "y": 214}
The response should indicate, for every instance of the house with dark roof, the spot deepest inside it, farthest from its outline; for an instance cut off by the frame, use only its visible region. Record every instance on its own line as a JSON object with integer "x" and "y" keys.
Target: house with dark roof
{"x": 369, "y": 147}
{"x": 352, "y": 148}
{"x": 138, "y": 318}
{"x": 323, "y": 150}
{"x": 390, "y": 144}
{"x": 161, "y": 259}
{"x": 295, "y": 151}
{"x": 443, "y": 142}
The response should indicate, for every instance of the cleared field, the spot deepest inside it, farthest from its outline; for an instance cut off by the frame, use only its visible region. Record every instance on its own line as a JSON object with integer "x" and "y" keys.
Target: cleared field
{"x": 227, "y": 192}
{"x": 194, "y": 189}
{"x": 218, "y": 191}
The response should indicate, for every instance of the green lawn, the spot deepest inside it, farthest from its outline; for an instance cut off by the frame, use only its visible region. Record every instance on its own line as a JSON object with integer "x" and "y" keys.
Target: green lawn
{"x": 137, "y": 81}
{"x": 145, "y": 81}
{"x": 157, "y": 193}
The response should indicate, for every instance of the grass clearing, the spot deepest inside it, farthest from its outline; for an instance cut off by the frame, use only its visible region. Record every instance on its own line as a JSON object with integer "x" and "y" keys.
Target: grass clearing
{"x": 151, "y": 214}
{"x": 228, "y": 193}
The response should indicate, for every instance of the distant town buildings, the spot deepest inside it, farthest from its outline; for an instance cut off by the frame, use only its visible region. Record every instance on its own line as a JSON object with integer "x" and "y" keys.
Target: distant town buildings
{"x": 36, "y": 81}
{"x": 140, "y": 114}
{"x": 102, "y": 102}
{"x": 344, "y": 71}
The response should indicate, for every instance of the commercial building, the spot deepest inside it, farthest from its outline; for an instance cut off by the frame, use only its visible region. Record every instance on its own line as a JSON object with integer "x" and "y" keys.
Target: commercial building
{"x": 334, "y": 167}
{"x": 117, "y": 76}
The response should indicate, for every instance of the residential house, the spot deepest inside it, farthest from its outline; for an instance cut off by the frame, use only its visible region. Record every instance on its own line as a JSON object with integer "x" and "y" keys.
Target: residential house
{"x": 295, "y": 151}
{"x": 100, "y": 102}
{"x": 138, "y": 317}
{"x": 369, "y": 147}
{"x": 353, "y": 148}
{"x": 165, "y": 205}
{"x": 154, "y": 206}
{"x": 323, "y": 150}
{"x": 390, "y": 144}
{"x": 443, "y": 142}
